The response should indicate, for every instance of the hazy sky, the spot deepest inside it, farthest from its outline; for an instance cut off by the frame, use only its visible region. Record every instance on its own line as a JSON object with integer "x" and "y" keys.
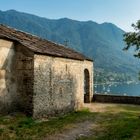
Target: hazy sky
{"x": 120, "y": 12}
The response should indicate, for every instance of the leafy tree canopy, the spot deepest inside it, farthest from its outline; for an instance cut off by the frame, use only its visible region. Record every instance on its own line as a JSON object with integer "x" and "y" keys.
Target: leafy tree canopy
{"x": 133, "y": 39}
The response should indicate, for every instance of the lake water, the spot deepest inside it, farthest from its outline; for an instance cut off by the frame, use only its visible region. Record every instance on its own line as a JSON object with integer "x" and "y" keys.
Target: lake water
{"x": 130, "y": 89}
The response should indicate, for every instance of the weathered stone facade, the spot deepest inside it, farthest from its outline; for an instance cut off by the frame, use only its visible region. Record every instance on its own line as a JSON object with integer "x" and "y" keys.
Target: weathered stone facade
{"x": 38, "y": 84}
{"x": 59, "y": 85}
{"x": 16, "y": 77}
{"x": 25, "y": 78}
{"x": 41, "y": 78}
{"x": 7, "y": 78}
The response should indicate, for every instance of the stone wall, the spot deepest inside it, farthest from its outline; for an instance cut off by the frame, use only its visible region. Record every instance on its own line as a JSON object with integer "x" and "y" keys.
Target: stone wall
{"x": 116, "y": 99}
{"x": 58, "y": 85}
{"x": 40, "y": 85}
{"x": 7, "y": 76}
{"x": 16, "y": 77}
{"x": 24, "y": 75}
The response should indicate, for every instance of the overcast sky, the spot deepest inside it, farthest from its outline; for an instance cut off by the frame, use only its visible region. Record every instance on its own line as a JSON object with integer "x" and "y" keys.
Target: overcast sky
{"x": 120, "y": 12}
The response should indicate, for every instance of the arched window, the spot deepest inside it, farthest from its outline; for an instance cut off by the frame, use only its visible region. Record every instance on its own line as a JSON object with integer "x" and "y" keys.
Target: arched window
{"x": 86, "y": 86}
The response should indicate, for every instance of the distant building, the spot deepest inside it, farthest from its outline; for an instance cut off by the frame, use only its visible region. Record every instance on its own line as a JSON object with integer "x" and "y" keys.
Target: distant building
{"x": 41, "y": 78}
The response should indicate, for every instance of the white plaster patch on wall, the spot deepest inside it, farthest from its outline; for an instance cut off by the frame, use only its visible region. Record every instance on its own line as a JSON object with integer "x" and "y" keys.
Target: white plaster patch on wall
{"x": 7, "y": 52}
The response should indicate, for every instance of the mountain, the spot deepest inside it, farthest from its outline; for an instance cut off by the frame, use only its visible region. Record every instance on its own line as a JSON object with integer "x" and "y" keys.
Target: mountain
{"x": 101, "y": 42}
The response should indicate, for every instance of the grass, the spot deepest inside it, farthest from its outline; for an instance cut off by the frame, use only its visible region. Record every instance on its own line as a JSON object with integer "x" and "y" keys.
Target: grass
{"x": 117, "y": 123}
{"x": 120, "y": 122}
{"x": 20, "y": 127}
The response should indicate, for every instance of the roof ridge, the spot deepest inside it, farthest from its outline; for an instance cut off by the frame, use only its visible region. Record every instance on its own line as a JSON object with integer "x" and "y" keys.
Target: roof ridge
{"x": 40, "y": 45}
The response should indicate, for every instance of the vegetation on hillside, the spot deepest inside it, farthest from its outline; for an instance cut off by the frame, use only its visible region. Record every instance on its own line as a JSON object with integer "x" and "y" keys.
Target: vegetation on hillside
{"x": 101, "y": 42}
{"x": 110, "y": 77}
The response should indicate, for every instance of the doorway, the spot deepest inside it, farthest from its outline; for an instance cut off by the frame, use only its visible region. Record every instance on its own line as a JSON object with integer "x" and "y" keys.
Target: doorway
{"x": 86, "y": 86}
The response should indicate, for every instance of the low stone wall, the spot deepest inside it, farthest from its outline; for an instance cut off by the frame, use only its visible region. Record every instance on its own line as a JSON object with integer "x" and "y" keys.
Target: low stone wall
{"x": 116, "y": 99}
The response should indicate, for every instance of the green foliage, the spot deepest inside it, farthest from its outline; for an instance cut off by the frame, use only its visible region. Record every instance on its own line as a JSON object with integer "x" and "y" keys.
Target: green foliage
{"x": 123, "y": 124}
{"x": 133, "y": 38}
{"x": 21, "y": 127}
{"x": 120, "y": 122}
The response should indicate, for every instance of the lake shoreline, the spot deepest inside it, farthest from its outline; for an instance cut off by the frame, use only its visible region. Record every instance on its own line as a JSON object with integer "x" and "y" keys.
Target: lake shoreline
{"x": 128, "y": 88}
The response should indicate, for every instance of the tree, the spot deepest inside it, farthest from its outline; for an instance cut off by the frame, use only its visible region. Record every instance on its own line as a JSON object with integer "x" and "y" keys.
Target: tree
{"x": 132, "y": 39}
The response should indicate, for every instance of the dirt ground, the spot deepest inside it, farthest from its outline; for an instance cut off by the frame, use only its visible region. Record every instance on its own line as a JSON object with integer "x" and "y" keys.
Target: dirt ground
{"x": 81, "y": 129}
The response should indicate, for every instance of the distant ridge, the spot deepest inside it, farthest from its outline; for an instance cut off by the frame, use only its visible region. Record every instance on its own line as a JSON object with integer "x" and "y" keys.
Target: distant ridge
{"x": 101, "y": 42}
